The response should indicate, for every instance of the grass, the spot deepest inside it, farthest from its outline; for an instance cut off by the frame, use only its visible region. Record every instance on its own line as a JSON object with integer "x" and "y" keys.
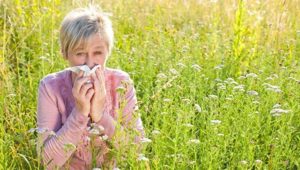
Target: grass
{"x": 208, "y": 76}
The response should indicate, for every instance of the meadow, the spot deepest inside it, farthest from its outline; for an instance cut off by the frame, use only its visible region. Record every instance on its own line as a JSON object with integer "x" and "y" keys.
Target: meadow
{"x": 217, "y": 81}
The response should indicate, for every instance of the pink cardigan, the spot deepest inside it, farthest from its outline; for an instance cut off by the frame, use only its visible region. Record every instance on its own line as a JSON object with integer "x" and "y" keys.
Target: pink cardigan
{"x": 56, "y": 112}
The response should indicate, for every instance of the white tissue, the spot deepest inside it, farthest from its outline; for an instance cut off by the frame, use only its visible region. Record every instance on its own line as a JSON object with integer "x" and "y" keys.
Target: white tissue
{"x": 85, "y": 68}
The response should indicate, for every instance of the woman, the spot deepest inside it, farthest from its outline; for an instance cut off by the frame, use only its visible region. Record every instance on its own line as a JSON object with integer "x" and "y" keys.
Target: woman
{"x": 69, "y": 103}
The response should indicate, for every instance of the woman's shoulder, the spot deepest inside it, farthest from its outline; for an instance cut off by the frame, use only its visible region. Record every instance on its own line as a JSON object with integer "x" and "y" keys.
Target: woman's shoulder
{"x": 118, "y": 74}
{"x": 54, "y": 79}
{"x": 118, "y": 78}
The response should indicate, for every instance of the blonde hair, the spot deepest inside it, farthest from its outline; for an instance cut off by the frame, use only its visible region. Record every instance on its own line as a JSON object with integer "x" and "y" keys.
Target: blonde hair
{"x": 79, "y": 24}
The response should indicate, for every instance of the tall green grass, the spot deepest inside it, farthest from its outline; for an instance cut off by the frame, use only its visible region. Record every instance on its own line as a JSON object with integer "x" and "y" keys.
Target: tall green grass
{"x": 208, "y": 76}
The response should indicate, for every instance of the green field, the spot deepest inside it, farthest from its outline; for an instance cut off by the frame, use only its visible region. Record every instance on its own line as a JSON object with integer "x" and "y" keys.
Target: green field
{"x": 218, "y": 81}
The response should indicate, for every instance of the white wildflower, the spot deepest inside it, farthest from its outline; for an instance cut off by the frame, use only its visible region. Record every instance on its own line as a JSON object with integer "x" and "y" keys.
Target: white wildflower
{"x": 173, "y": 71}
{"x": 38, "y": 130}
{"x": 244, "y": 162}
{"x": 196, "y": 67}
{"x": 252, "y": 93}
{"x": 230, "y": 81}
{"x": 42, "y": 130}
{"x": 11, "y": 95}
{"x": 242, "y": 77}
{"x": 269, "y": 78}
{"x": 212, "y": 96}
{"x": 167, "y": 100}
{"x": 194, "y": 141}
{"x": 146, "y": 140}
{"x": 96, "y": 168}
{"x": 239, "y": 88}
{"x": 161, "y": 76}
{"x": 87, "y": 139}
{"x": 32, "y": 130}
{"x": 294, "y": 79}
{"x": 276, "y": 106}
{"x": 220, "y": 134}
{"x": 94, "y": 131}
{"x": 229, "y": 98}
{"x": 273, "y": 111}
{"x": 44, "y": 58}
{"x": 192, "y": 162}
{"x": 221, "y": 86}
{"x": 270, "y": 87}
{"x": 256, "y": 102}
{"x": 258, "y": 161}
{"x": 181, "y": 65}
{"x": 251, "y": 75}
{"x": 198, "y": 108}
{"x": 276, "y": 89}
{"x": 186, "y": 100}
{"x": 142, "y": 157}
{"x": 164, "y": 113}
{"x": 52, "y": 133}
{"x": 218, "y": 80}
{"x": 277, "y": 111}
{"x": 155, "y": 132}
{"x": 188, "y": 125}
{"x": 104, "y": 137}
{"x": 215, "y": 121}
{"x": 274, "y": 76}
{"x": 276, "y": 114}
{"x": 219, "y": 67}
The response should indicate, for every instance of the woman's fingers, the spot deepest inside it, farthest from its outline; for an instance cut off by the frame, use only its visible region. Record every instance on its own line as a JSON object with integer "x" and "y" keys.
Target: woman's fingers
{"x": 97, "y": 73}
{"x": 85, "y": 88}
{"x": 100, "y": 76}
{"x": 100, "y": 79}
{"x": 103, "y": 82}
{"x": 95, "y": 82}
{"x": 90, "y": 93}
{"x": 79, "y": 82}
{"x": 78, "y": 75}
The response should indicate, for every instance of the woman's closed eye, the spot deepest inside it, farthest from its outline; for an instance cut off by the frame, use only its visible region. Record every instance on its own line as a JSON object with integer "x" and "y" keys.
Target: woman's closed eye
{"x": 80, "y": 54}
{"x": 98, "y": 52}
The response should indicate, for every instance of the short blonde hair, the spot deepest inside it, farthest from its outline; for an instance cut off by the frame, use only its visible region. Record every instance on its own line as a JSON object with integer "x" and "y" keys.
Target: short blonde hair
{"x": 79, "y": 24}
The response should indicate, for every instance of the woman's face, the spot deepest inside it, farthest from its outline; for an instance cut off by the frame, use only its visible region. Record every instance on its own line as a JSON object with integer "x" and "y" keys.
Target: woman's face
{"x": 94, "y": 53}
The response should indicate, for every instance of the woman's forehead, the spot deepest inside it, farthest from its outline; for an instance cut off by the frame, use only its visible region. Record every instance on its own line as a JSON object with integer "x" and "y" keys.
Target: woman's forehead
{"x": 95, "y": 41}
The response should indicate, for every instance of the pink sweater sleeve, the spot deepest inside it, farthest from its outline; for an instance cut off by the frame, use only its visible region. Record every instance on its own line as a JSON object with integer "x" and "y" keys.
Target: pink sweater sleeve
{"x": 48, "y": 117}
{"x": 108, "y": 122}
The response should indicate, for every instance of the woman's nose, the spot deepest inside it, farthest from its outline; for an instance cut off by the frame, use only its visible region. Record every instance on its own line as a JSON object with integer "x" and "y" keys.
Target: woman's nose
{"x": 90, "y": 63}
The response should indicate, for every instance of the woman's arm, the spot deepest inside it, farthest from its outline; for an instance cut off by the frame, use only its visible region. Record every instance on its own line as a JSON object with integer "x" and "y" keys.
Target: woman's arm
{"x": 48, "y": 117}
{"x": 109, "y": 123}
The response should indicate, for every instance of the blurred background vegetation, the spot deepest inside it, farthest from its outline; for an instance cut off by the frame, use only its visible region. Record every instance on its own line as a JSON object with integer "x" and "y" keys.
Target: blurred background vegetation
{"x": 180, "y": 54}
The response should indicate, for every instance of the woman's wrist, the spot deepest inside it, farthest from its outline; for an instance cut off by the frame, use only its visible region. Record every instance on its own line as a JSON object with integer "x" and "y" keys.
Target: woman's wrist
{"x": 96, "y": 117}
{"x": 84, "y": 113}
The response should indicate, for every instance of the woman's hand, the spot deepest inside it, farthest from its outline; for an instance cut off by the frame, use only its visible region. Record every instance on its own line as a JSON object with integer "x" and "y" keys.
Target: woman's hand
{"x": 82, "y": 93}
{"x": 98, "y": 99}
